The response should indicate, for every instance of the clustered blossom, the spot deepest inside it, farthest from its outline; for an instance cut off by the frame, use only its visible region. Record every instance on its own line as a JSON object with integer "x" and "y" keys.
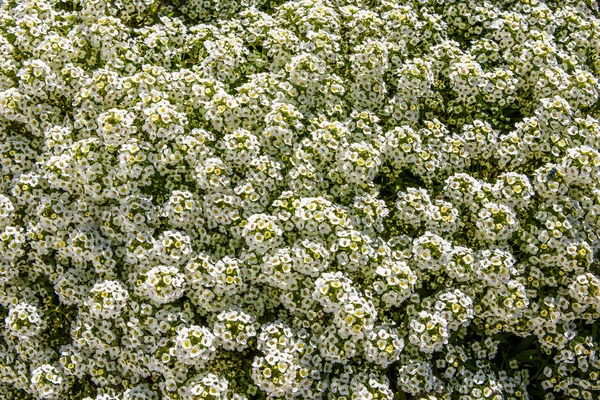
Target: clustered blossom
{"x": 299, "y": 199}
{"x": 107, "y": 299}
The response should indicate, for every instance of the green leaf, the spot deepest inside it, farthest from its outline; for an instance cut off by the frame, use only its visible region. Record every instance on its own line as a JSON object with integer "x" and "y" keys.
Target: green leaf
{"x": 400, "y": 395}
{"x": 528, "y": 355}
{"x": 526, "y": 343}
{"x": 500, "y": 337}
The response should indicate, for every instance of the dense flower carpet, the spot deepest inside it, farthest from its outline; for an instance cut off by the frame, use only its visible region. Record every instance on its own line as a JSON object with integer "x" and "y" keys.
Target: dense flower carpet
{"x": 307, "y": 199}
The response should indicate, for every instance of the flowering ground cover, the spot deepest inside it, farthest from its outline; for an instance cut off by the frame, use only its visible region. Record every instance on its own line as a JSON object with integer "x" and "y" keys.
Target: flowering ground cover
{"x": 306, "y": 199}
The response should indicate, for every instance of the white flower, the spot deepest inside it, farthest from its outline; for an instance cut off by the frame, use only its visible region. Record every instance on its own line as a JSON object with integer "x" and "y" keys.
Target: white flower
{"x": 164, "y": 284}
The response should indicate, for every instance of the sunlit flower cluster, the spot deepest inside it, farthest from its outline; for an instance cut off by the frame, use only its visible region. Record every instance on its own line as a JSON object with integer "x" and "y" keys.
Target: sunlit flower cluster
{"x": 299, "y": 199}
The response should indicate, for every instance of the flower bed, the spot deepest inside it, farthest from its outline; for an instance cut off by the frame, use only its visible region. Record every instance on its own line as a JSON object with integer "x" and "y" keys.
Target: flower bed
{"x": 308, "y": 199}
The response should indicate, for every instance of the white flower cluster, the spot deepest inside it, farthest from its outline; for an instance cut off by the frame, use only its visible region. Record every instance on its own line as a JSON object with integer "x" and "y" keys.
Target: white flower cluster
{"x": 299, "y": 199}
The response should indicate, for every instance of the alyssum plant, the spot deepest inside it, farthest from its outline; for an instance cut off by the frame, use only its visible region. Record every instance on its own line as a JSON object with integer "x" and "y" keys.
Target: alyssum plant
{"x": 306, "y": 199}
